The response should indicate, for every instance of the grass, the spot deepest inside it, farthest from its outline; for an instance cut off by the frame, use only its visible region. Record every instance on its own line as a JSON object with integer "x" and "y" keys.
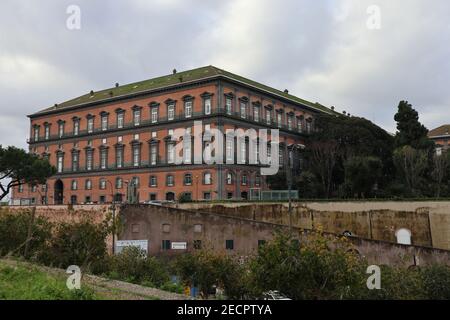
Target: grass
{"x": 23, "y": 282}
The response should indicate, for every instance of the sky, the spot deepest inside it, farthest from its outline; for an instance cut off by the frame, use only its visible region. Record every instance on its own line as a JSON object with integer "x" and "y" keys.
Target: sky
{"x": 360, "y": 56}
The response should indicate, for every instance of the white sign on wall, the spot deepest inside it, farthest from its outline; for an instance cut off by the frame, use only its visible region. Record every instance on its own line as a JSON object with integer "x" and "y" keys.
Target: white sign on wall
{"x": 179, "y": 245}
{"x": 121, "y": 244}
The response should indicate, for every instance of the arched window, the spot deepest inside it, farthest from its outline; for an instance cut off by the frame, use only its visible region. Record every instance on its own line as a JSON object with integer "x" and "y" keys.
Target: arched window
{"x": 74, "y": 185}
{"x": 403, "y": 236}
{"x": 88, "y": 184}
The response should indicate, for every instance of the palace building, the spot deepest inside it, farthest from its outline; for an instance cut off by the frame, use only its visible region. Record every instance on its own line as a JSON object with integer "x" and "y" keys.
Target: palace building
{"x": 102, "y": 142}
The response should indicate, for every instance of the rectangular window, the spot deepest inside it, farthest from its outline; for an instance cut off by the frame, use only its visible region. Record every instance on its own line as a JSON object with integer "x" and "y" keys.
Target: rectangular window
{"x": 169, "y": 180}
{"x": 197, "y": 244}
{"x": 256, "y": 113}
{"x": 279, "y": 119}
{"x": 229, "y": 149}
{"x": 76, "y": 128}
{"x": 119, "y": 183}
{"x": 104, "y": 123}
{"x": 154, "y": 115}
{"x": 75, "y": 162}
{"x": 153, "y": 181}
{"x": 47, "y": 132}
{"x": 60, "y": 165}
{"x": 137, "y": 117}
{"x": 243, "y": 110}
{"x": 308, "y": 126}
{"x": 136, "y": 156}
{"x": 289, "y": 122}
{"x": 36, "y": 134}
{"x": 188, "y": 109}
{"x": 103, "y": 158}
{"x": 153, "y": 154}
{"x": 120, "y": 120}
{"x": 89, "y": 160}
{"x": 300, "y": 125}
{"x": 90, "y": 125}
{"x": 208, "y": 106}
{"x": 187, "y": 151}
{"x": 165, "y": 245}
{"x": 119, "y": 157}
{"x": 229, "y": 106}
{"x": 170, "y": 153}
{"x": 61, "y": 129}
{"x": 268, "y": 117}
{"x": 207, "y": 178}
{"x": 229, "y": 244}
{"x": 171, "y": 112}
{"x": 243, "y": 152}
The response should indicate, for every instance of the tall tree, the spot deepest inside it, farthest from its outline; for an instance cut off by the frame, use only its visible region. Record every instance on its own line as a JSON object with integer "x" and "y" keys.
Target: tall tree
{"x": 18, "y": 167}
{"x": 410, "y": 131}
{"x": 411, "y": 165}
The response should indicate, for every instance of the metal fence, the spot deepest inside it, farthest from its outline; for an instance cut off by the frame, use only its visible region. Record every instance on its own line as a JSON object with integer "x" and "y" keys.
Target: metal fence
{"x": 275, "y": 195}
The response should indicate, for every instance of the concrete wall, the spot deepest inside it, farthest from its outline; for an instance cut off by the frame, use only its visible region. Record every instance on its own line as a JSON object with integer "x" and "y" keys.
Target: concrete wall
{"x": 429, "y": 222}
{"x": 143, "y": 222}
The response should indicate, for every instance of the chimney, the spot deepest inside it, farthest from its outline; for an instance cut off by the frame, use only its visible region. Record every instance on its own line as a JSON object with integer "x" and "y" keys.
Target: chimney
{"x": 332, "y": 108}
{"x": 174, "y": 71}
{"x": 286, "y": 91}
{"x": 117, "y": 84}
{"x": 91, "y": 93}
{"x": 344, "y": 112}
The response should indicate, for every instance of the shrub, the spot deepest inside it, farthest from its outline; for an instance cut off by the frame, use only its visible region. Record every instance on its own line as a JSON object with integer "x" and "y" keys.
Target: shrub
{"x": 80, "y": 243}
{"x": 15, "y": 229}
{"x": 207, "y": 270}
{"x": 436, "y": 282}
{"x": 307, "y": 270}
{"x": 134, "y": 266}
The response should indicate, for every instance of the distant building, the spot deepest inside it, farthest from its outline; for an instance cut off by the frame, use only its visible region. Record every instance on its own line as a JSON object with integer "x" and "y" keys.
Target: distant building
{"x": 441, "y": 136}
{"x": 102, "y": 140}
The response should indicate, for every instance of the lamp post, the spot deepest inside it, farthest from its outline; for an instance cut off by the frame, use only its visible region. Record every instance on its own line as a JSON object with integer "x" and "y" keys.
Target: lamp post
{"x": 289, "y": 173}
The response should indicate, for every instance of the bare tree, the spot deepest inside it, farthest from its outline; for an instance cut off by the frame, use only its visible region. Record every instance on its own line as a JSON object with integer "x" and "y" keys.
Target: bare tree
{"x": 324, "y": 157}
{"x": 440, "y": 165}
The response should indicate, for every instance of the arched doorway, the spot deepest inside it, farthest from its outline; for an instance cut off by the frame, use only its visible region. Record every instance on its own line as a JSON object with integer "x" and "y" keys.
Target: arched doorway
{"x": 59, "y": 192}
{"x": 170, "y": 196}
{"x": 403, "y": 236}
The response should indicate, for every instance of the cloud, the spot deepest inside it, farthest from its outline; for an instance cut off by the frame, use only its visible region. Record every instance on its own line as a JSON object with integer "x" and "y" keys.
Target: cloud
{"x": 319, "y": 50}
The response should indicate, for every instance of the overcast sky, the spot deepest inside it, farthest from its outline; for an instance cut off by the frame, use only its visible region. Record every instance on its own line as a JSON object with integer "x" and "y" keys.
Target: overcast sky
{"x": 319, "y": 50}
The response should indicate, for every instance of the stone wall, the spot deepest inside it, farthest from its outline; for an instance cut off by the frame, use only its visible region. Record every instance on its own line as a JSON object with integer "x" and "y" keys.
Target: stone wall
{"x": 429, "y": 222}
{"x": 155, "y": 224}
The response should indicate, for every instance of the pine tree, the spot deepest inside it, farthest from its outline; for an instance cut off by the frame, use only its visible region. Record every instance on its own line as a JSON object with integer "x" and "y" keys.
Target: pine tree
{"x": 410, "y": 131}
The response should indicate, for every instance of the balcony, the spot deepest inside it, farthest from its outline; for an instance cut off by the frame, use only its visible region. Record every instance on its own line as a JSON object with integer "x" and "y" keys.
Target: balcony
{"x": 165, "y": 120}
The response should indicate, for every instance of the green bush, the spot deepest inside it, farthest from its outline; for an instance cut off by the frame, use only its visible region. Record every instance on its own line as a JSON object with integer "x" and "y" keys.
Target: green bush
{"x": 134, "y": 266}
{"x": 207, "y": 269}
{"x": 436, "y": 282}
{"x": 79, "y": 243}
{"x": 14, "y": 231}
